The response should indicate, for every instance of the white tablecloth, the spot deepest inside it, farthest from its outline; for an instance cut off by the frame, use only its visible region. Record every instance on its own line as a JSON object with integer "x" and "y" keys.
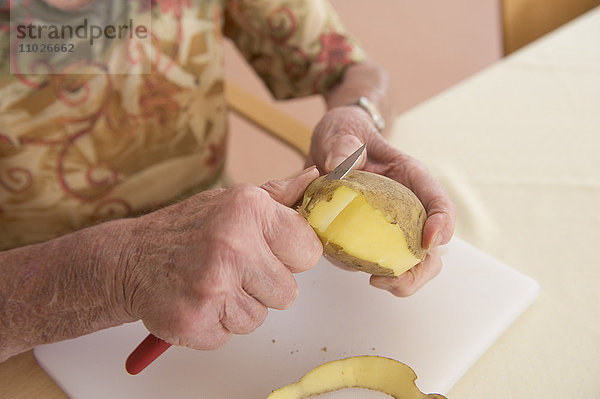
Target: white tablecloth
{"x": 517, "y": 147}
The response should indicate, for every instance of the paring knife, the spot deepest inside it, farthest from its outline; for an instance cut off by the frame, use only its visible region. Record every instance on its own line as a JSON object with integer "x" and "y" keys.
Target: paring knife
{"x": 152, "y": 347}
{"x": 346, "y": 166}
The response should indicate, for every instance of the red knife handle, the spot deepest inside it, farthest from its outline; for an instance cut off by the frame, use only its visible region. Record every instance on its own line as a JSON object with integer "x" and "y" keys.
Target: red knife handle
{"x": 145, "y": 353}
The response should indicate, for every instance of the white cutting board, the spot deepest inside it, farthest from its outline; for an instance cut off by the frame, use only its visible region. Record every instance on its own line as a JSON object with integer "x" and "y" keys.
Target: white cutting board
{"x": 439, "y": 332}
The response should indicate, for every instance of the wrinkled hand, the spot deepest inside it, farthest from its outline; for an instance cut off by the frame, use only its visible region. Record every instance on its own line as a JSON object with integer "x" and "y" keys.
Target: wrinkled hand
{"x": 210, "y": 266}
{"x": 344, "y": 129}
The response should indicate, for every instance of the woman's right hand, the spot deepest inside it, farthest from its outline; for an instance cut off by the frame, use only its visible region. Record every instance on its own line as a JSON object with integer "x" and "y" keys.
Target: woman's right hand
{"x": 210, "y": 266}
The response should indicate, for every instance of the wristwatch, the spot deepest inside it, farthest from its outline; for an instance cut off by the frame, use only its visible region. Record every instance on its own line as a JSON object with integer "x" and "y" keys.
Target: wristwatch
{"x": 372, "y": 110}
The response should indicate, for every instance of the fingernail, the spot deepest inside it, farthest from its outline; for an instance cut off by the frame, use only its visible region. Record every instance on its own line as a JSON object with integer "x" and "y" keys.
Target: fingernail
{"x": 333, "y": 162}
{"x": 377, "y": 283}
{"x": 303, "y": 172}
{"x": 308, "y": 170}
{"x": 436, "y": 240}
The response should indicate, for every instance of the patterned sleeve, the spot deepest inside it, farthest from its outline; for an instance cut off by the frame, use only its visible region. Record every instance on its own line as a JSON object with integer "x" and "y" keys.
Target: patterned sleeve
{"x": 298, "y": 48}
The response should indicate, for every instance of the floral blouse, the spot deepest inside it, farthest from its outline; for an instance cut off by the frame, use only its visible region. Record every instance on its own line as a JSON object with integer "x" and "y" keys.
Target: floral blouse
{"x": 80, "y": 148}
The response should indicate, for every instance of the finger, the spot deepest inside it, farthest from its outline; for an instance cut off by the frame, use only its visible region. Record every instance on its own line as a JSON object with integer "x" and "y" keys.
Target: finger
{"x": 309, "y": 161}
{"x": 438, "y": 229}
{"x": 413, "y": 279}
{"x": 292, "y": 240}
{"x": 441, "y": 216}
{"x": 341, "y": 131}
{"x": 207, "y": 340}
{"x": 288, "y": 235}
{"x": 243, "y": 314}
{"x": 271, "y": 283}
{"x": 192, "y": 324}
{"x": 340, "y": 147}
{"x": 441, "y": 213}
{"x": 289, "y": 191}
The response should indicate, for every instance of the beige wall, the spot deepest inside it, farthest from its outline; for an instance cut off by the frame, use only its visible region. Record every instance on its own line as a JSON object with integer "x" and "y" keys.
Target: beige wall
{"x": 426, "y": 45}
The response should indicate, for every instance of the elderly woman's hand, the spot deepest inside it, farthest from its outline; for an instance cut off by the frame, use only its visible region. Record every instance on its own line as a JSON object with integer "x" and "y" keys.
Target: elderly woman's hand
{"x": 210, "y": 266}
{"x": 340, "y": 132}
{"x": 194, "y": 272}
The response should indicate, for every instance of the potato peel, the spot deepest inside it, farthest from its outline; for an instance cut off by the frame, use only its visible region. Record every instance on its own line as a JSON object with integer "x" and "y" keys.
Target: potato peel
{"x": 375, "y": 373}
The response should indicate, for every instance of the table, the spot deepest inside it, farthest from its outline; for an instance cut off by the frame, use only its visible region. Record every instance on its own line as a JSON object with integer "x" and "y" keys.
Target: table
{"x": 516, "y": 148}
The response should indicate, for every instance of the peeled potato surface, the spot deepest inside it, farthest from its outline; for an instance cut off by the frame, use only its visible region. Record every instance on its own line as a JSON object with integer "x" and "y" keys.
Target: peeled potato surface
{"x": 367, "y": 221}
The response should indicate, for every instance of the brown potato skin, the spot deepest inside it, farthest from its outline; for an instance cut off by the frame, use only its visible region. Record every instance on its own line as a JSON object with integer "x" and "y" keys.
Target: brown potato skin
{"x": 336, "y": 252}
{"x": 395, "y": 201}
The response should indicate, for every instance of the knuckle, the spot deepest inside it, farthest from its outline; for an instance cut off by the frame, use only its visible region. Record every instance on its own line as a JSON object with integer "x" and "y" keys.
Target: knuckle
{"x": 274, "y": 186}
{"x": 246, "y": 199}
{"x": 255, "y": 320}
{"x": 244, "y": 315}
{"x": 316, "y": 251}
{"x": 279, "y": 293}
{"x": 212, "y": 341}
{"x": 414, "y": 168}
{"x": 417, "y": 170}
{"x": 294, "y": 245}
{"x": 247, "y": 193}
{"x": 289, "y": 294}
{"x": 406, "y": 284}
{"x": 311, "y": 248}
{"x": 209, "y": 333}
{"x": 405, "y": 291}
{"x": 220, "y": 246}
{"x": 225, "y": 247}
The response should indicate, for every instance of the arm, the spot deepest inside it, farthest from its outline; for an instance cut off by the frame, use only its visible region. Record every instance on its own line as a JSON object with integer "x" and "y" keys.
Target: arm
{"x": 62, "y": 288}
{"x": 367, "y": 79}
{"x": 194, "y": 272}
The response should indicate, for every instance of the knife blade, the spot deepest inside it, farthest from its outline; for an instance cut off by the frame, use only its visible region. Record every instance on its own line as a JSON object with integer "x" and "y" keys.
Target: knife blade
{"x": 346, "y": 165}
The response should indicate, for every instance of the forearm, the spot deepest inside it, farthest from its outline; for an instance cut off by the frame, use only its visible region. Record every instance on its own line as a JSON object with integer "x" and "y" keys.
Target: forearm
{"x": 363, "y": 79}
{"x": 62, "y": 288}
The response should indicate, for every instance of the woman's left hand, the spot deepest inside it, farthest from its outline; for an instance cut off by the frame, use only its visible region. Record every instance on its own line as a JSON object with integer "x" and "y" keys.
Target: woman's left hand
{"x": 343, "y": 130}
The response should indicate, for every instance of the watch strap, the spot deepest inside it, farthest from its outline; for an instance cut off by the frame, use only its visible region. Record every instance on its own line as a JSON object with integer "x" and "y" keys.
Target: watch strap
{"x": 372, "y": 110}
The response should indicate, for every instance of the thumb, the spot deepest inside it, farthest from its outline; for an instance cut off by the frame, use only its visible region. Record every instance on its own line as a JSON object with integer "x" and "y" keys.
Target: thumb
{"x": 289, "y": 191}
{"x": 340, "y": 149}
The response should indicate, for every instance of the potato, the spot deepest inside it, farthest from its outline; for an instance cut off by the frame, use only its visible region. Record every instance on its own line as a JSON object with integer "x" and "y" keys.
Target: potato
{"x": 369, "y": 372}
{"x": 367, "y": 221}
